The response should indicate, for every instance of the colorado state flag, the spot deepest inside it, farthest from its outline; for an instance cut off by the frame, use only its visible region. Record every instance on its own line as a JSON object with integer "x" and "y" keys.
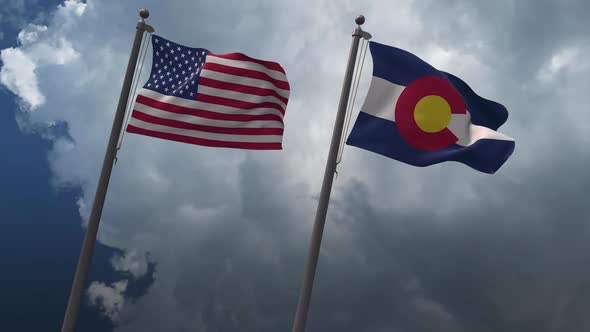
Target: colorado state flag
{"x": 421, "y": 116}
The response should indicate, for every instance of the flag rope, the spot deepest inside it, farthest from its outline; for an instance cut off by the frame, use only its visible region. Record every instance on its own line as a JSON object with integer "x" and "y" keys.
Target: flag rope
{"x": 134, "y": 85}
{"x": 356, "y": 83}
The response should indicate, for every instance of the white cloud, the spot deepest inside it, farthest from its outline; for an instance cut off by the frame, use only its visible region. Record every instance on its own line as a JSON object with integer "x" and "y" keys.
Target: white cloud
{"x": 71, "y": 8}
{"x": 131, "y": 262}
{"x": 30, "y": 34}
{"x": 39, "y": 48}
{"x": 440, "y": 318}
{"x": 18, "y": 75}
{"x": 559, "y": 61}
{"x": 108, "y": 299}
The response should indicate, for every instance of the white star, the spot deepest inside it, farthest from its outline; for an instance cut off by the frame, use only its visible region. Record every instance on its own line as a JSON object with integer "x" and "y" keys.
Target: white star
{"x": 171, "y": 51}
{"x": 168, "y": 44}
{"x": 179, "y": 65}
{"x": 161, "y": 60}
{"x": 183, "y": 72}
{"x": 161, "y": 77}
{"x": 166, "y": 55}
{"x": 154, "y": 76}
{"x": 149, "y": 84}
{"x": 179, "y": 82}
{"x": 157, "y": 53}
{"x": 193, "y": 58}
{"x": 156, "y": 40}
{"x": 179, "y": 48}
{"x": 193, "y": 82}
{"x": 156, "y": 65}
{"x": 161, "y": 48}
{"x": 174, "y": 87}
{"x": 165, "y": 67}
{"x": 174, "y": 69}
{"x": 168, "y": 73}
{"x": 182, "y": 55}
{"x": 157, "y": 86}
{"x": 175, "y": 58}
{"x": 192, "y": 94}
{"x": 166, "y": 89}
{"x": 160, "y": 71}
{"x": 170, "y": 79}
{"x": 185, "y": 62}
{"x": 177, "y": 76}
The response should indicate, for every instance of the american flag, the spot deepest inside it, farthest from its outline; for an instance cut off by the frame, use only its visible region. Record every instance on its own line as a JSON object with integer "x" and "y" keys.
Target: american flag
{"x": 218, "y": 100}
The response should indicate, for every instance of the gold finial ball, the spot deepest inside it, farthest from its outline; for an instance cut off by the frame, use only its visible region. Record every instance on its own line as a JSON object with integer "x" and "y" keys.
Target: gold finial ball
{"x": 144, "y": 13}
{"x": 360, "y": 20}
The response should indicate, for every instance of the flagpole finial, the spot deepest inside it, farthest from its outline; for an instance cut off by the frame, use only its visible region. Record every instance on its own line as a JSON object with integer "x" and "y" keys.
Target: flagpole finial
{"x": 360, "y": 20}
{"x": 144, "y": 13}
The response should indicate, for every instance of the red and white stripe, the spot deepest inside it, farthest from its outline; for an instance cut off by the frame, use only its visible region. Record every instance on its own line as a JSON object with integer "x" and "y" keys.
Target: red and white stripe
{"x": 240, "y": 103}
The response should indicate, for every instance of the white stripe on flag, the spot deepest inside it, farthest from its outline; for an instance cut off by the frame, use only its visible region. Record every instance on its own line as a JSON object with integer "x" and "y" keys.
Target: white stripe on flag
{"x": 247, "y": 65}
{"x": 198, "y": 105}
{"x": 204, "y": 121}
{"x": 206, "y": 135}
{"x": 468, "y": 133}
{"x": 207, "y": 90}
{"x": 244, "y": 81}
{"x": 381, "y": 98}
{"x": 383, "y": 95}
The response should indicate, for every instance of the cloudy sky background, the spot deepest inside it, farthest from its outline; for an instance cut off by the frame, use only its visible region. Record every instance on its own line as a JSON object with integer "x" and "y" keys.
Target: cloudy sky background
{"x": 442, "y": 248}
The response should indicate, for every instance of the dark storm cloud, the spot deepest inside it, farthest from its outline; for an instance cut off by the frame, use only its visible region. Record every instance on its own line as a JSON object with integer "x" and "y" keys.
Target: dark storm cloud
{"x": 510, "y": 264}
{"x": 511, "y": 259}
{"x": 405, "y": 249}
{"x": 514, "y": 263}
{"x": 515, "y": 38}
{"x": 242, "y": 276}
{"x": 512, "y": 30}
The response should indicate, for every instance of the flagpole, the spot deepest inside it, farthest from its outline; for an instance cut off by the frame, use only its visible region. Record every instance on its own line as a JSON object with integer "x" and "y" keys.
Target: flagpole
{"x": 82, "y": 270}
{"x": 322, "y": 209}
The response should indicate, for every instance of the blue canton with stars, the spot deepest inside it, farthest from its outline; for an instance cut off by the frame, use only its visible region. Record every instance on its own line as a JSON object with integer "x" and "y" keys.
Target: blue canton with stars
{"x": 175, "y": 68}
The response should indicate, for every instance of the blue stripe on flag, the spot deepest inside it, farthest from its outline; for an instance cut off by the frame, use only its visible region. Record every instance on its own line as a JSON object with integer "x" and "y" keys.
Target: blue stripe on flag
{"x": 398, "y": 66}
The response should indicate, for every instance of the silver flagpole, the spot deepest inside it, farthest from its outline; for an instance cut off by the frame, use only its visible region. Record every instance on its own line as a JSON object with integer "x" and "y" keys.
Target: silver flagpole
{"x": 322, "y": 210}
{"x": 77, "y": 291}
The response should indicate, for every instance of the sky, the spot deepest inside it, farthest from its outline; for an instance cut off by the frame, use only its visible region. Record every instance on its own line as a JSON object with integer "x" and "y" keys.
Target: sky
{"x": 201, "y": 239}
{"x": 40, "y": 233}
